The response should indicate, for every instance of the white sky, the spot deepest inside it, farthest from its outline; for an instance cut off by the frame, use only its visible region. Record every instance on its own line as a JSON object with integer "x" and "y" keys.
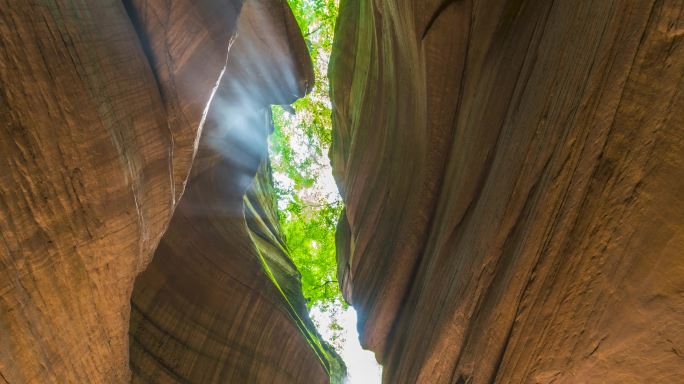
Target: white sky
{"x": 361, "y": 365}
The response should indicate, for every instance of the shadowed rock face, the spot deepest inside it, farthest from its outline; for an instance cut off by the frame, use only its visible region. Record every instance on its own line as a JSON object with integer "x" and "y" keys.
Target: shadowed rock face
{"x": 513, "y": 174}
{"x": 186, "y": 43}
{"x": 102, "y": 105}
{"x": 221, "y": 301}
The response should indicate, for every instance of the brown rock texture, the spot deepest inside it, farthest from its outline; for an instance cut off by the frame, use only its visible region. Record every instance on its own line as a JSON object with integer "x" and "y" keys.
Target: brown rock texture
{"x": 186, "y": 42}
{"x": 101, "y": 109}
{"x": 85, "y": 189}
{"x": 513, "y": 174}
{"x": 221, "y": 302}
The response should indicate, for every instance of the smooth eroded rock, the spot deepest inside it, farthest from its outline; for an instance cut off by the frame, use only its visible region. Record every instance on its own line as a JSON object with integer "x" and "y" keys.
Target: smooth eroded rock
{"x": 513, "y": 205}
{"x": 222, "y": 301}
{"x": 102, "y": 106}
{"x": 85, "y": 189}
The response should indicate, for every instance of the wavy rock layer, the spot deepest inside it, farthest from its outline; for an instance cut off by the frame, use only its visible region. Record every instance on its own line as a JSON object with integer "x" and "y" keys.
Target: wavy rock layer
{"x": 221, "y": 301}
{"x": 186, "y": 42}
{"x": 102, "y": 105}
{"x": 513, "y": 173}
{"x": 85, "y": 189}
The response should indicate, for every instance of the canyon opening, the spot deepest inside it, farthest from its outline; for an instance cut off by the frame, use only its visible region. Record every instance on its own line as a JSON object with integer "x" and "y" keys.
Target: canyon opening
{"x": 249, "y": 191}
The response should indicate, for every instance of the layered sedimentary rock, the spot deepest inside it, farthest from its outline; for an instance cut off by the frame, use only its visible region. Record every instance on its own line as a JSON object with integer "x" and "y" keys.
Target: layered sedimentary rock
{"x": 102, "y": 106}
{"x": 186, "y": 42}
{"x": 513, "y": 174}
{"x": 221, "y": 301}
{"x": 85, "y": 187}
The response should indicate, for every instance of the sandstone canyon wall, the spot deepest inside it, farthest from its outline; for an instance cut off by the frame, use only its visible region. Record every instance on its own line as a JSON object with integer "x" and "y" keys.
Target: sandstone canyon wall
{"x": 221, "y": 301}
{"x": 513, "y": 174}
{"x": 102, "y": 108}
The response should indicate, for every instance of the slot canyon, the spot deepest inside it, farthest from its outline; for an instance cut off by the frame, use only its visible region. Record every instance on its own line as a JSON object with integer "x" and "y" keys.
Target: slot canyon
{"x": 511, "y": 174}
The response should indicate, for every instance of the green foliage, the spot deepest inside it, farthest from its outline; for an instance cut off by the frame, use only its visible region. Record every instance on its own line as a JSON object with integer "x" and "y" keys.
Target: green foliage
{"x": 310, "y": 236}
{"x": 299, "y": 147}
{"x": 316, "y": 19}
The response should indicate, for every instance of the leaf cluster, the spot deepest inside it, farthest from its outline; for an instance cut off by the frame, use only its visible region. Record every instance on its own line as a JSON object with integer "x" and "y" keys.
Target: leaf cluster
{"x": 299, "y": 147}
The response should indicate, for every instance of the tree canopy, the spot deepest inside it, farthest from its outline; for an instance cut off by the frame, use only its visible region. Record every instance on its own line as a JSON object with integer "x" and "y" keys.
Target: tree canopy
{"x": 308, "y": 202}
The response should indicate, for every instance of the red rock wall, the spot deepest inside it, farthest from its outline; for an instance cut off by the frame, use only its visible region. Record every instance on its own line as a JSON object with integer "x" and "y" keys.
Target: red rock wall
{"x": 513, "y": 175}
{"x": 186, "y": 43}
{"x": 85, "y": 189}
{"x": 101, "y": 109}
{"x": 221, "y": 302}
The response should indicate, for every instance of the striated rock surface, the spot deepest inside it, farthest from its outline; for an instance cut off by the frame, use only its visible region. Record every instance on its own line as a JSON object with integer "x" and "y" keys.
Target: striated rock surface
{"x": 101, "y": 106}
{"x": 85, "y": 189}
{"x": 186, "y": 42}
{"x": 221, "y": 301}
{"x": 513, "y": 174}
